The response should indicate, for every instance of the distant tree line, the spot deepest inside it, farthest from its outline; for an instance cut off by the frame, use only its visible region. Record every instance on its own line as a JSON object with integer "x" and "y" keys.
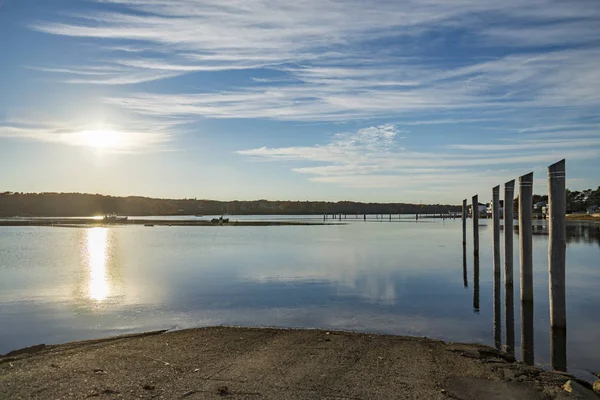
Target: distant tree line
{"x": 80, "y": 204}
{"x": 577, "y": 201}
{"x": 582, "y": 200}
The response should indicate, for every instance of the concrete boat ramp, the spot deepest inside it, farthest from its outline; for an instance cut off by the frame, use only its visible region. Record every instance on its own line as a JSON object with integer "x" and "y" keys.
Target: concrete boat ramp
{"x": 262, "y": 363}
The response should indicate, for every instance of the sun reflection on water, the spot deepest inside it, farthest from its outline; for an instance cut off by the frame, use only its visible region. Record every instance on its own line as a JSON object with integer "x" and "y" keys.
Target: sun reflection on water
{"x": 97, "y": 244}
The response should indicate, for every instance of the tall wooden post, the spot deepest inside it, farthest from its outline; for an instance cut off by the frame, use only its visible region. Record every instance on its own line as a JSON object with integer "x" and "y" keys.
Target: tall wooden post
{"x": 525, "y": 258}
{"x": 497, "y": 274}
{"x": 464, "y": 242}
{"x": 557, "y": 203}
{"x": 417, "y": 216}
{"x": 509, "y": 295}
{"x": 464, "y": 221}
{"x": 475, "y": 205}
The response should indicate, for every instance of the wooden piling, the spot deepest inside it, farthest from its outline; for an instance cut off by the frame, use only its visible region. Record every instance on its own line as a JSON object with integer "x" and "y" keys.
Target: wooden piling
{"x": 509, "y": 295}
{"x": 497, "y": 311}
{"x": 475, "y": 212}
{"x": 464, "y": 222}
{"x": 556, "y": 264}
{"x": 525, "y": 258}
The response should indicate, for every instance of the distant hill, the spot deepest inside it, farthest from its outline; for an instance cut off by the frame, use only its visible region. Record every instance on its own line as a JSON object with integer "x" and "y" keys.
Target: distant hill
{"x": 81, "y": 204}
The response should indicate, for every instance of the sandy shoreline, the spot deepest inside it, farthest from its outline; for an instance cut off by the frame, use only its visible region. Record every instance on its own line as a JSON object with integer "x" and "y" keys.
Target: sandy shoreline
{"x": 253, "y": 363}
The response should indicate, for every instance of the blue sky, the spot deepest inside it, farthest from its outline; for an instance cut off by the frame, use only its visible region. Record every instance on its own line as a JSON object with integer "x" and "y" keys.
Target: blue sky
{"x": 419, "y": 100}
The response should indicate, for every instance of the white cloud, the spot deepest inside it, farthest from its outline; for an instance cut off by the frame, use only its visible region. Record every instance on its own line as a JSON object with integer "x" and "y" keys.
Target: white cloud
{"x": 372, "y": 158}
{"x": 551, "y": 80}
{"x": 126, "y": 78}
{"x": 530, "y": 144}
{"x": 332, "y": 69}
{"x": 109, "y": 137}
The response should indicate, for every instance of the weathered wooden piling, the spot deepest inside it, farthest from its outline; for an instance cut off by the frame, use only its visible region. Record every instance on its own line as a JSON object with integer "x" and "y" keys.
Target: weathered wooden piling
{"x": 475, "y": 213}
{"x": 525, "y": 258}
{"x": 497, "y": 274}
{"x": 464, "y": 222}
{"x": 417, "y": 216}
{"x": 365, "y": 217}
{"x": 509, "y": 295}
{"x": 556, "y": 264}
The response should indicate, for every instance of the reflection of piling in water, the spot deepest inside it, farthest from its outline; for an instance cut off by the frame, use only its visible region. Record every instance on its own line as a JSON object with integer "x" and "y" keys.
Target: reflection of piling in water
{"x": 475, "y": 215}
{"x": 509, "y": 306}
{"x": 465, "y": 279}
{"x": 556, "y": 264}
{"x": 525, "y": 258}
{"x": 464, "y": 242}
{"x": 476, "y": 284}
{"x": 497, "y": 275}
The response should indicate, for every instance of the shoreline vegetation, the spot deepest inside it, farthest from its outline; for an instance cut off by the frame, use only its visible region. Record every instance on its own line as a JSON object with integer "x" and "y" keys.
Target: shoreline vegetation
{"x": 274, "y": 363}
{"x": 315, "y": 221}
{"x": 82, "y": 205}
{"x": 583, "y": 217}
{"x": 76, "y": 223}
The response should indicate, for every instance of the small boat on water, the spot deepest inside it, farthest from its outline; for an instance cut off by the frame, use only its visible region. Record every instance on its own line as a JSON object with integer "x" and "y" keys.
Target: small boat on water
{"x": 114, "y": 218}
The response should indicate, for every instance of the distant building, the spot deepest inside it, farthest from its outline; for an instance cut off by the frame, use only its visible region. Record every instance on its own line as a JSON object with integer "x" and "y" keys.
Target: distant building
{"x": 593, "y": 209}
{"x": 489, "y": 210}
{"x": 482, "y": 210}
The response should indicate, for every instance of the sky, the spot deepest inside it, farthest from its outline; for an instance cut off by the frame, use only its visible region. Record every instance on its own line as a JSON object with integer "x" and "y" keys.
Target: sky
{"x": 426, "y": 101}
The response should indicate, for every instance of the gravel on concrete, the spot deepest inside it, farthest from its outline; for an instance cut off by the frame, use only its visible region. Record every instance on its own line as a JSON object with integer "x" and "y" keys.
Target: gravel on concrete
{"x": 264, "y": 363}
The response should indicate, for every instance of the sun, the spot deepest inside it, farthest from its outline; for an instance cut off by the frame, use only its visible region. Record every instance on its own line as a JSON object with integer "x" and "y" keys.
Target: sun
{"x": 102, "y": 139}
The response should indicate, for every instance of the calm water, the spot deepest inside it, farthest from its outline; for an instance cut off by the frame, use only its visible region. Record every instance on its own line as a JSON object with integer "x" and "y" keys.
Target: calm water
{"x": 404, "y": 277}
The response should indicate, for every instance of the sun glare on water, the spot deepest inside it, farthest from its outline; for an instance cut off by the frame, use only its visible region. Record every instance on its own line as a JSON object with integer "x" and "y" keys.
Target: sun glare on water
{"x": 97, "y": 243}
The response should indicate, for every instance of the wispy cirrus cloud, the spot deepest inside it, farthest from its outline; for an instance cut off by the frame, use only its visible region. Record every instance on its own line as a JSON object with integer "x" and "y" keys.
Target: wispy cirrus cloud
{"x": 109, "y": 137}
{"x": 331, "y": 70}
{"x": 550, "y": 80}
{"x": 372, "y": 158}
